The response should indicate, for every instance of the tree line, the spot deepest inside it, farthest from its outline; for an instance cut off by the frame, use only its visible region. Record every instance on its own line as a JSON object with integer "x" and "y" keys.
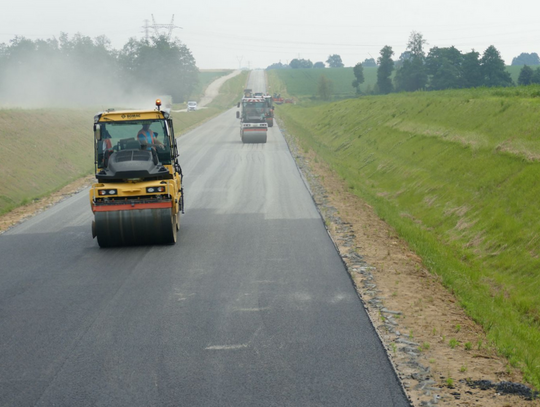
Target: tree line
{"x": 333, "y": 61}
{"x": 68, "y": 69}
{"x": 443, "y": 68}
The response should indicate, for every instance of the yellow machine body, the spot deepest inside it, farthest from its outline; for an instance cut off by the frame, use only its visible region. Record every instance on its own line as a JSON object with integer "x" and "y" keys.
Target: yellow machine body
{"x": 138, "y": 196}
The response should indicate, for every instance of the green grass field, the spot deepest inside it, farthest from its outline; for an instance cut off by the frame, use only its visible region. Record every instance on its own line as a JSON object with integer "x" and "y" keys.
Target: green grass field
{"x": 302, "y": 84}
{"x": 45, "y": 149}
{"x": 514, "y": 72}
{"x": 456, "y": 174}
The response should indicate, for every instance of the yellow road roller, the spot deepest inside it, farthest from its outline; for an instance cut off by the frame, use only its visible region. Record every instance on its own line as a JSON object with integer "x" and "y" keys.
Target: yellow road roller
{"x": 138, "y": 196}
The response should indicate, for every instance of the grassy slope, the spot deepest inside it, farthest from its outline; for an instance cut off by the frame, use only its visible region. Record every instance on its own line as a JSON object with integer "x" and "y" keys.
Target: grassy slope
{"x": 49, "y": 148}
{"x": 42, "y": 151}
{"x": 456, "y": 174}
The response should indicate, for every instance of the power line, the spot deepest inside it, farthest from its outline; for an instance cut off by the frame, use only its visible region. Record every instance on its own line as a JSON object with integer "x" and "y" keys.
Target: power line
{"x": 239, "y": 58}
{"x": 157, "y": 27}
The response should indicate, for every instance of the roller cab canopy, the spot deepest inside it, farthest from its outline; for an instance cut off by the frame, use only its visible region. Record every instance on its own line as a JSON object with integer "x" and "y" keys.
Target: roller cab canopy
{"x": 124, "y": 151}
{"x": 130, "y": 115}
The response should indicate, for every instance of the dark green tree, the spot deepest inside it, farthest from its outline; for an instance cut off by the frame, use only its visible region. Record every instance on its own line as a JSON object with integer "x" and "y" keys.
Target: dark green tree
{"x": 386, "y": 66}
{"x": 412, "y": 75}
{"x": 334, "y": 61}
{"x": 416, "y": 45}
{"x": 319, "y": 64}
{"x": 402, "y": 58}
{"x": 166, "y": 67}
{"x": 300, "y": 63}
{"x": 278, "y": 65}
{"x": 358, "y": 72}
{"x": 536, "y": 76}
{"x": 526, "y": 59}
{"x": 324, "y": 88}
{"x": 444, "y": 66}
{"x": 472, "y": 70}
{"x": 369, "y": 63}
{"x": 525, "y": 76}
{"x": 494, "y": 72}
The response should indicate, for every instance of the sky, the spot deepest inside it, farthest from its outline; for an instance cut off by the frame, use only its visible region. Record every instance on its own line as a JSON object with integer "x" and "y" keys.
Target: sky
{"x": 255, "y": 34}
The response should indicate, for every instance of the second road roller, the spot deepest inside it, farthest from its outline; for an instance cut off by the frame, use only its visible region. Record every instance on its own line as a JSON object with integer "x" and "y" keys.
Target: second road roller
{"x": 253, "y": 124}
{"x": 138, "y": 196}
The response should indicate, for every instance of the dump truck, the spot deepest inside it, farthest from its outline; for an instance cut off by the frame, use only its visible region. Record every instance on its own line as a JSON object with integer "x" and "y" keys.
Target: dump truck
{"x": 253, "y": 124}
{"x": 138, "y": 196}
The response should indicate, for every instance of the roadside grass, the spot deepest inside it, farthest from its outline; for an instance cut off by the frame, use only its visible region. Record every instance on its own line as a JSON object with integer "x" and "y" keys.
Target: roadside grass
{"x": 42, "y": 151}
{"x": 45, "y": 149}
{"x": 184, "y": 121}
{"x": 456, "y": 174}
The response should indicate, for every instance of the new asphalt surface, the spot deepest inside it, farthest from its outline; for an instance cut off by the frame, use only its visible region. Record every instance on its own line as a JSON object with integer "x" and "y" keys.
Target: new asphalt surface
{"x": 252, "y": 306}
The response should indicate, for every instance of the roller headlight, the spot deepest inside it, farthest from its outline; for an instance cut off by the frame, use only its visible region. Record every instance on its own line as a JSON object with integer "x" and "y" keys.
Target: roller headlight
{"x": 104, "y": 192}
{"x": 153, "y": 190}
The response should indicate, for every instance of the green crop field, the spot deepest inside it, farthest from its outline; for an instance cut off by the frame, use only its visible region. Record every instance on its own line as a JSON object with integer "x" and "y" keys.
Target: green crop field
{"x": 456, "y": 174}
{"x": 514, "y": 72}
{"x": 45, "y": 149}
{"x": 303, "y": 83}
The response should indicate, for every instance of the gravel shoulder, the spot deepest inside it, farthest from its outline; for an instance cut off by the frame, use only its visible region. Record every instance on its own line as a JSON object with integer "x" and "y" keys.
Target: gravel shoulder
{"x": 25, "y": 212}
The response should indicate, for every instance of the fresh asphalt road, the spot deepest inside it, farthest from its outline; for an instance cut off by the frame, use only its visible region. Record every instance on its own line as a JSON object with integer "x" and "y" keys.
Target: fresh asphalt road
{"x": 252, "y": 306}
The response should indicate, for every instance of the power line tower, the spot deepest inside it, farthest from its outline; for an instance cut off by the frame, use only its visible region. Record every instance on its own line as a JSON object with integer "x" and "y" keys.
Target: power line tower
{"x": 146, "y": 27}
{"x": 168, "y": 28}
{"x": 239, "y": 58}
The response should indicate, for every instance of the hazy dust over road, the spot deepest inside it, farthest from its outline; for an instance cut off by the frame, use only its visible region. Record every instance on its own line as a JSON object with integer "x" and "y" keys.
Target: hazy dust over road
{"x": 80, "y": 72}
{"x": 39, "y": 83}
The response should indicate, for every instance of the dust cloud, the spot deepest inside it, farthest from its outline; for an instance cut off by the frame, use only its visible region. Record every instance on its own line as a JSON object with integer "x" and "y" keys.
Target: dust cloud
{"x": 36, "y": 82}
